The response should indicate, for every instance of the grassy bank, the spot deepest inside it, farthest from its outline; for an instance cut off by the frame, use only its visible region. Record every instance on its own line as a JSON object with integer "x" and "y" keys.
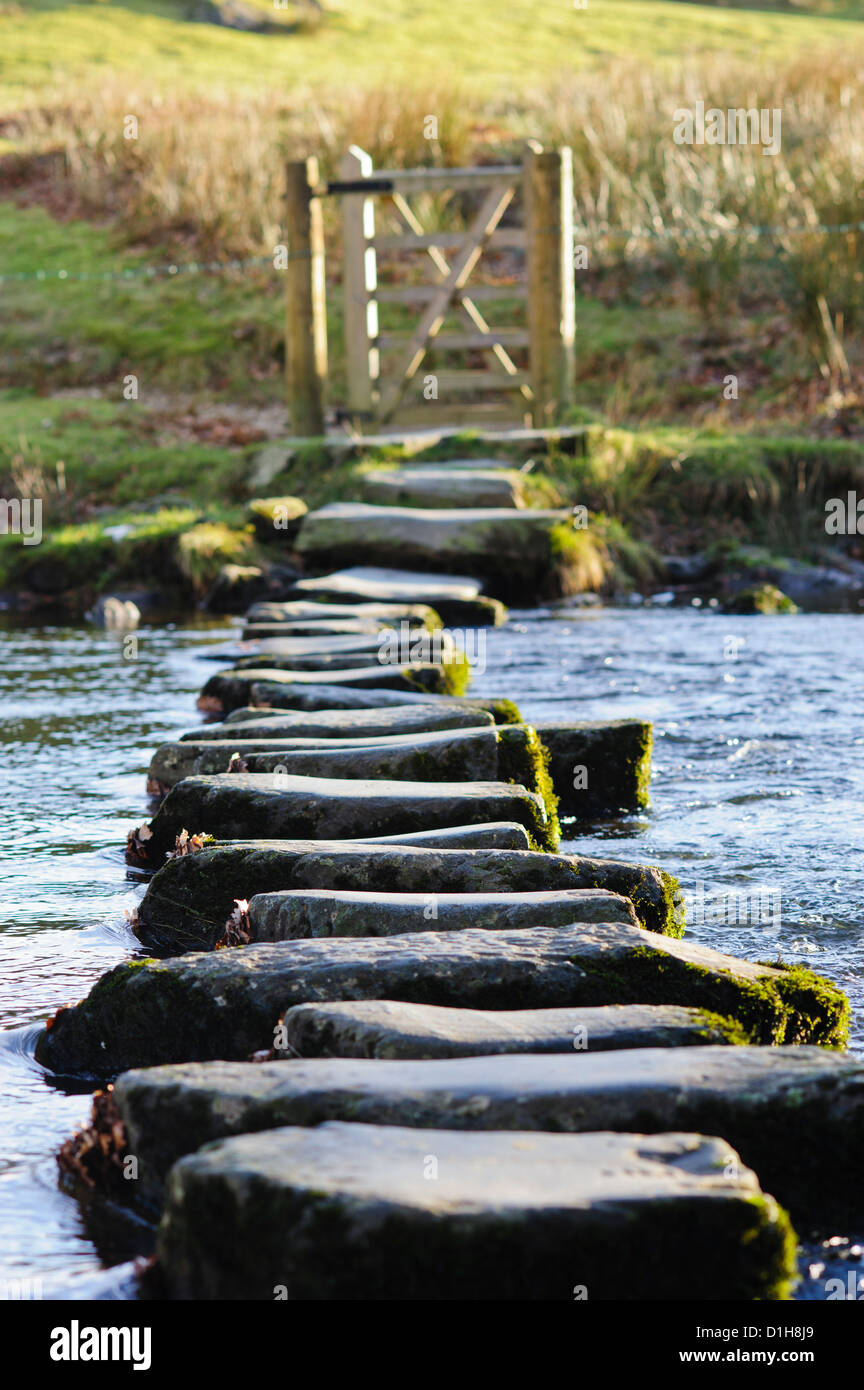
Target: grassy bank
{"x": 362, "y": 42}
{"x": 181, "y": 498}
{"x": 139, "y": 401}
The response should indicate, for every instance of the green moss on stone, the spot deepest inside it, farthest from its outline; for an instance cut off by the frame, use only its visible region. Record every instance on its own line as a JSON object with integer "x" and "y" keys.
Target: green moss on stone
{"x": 812, "y": 998}
{"x": 803, "y": 1008}
{"x": 505, "y": 711}
{"x": 764, "y": 598}
{"x": 524, "y": 761}
{"x": 452, "y": 677}
{"x": 718, "y": 1025}
{"x": 276, "y": 518}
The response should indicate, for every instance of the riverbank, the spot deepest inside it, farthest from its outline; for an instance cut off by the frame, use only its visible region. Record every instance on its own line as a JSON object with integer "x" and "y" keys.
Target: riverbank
{"x": 159, "y": 506}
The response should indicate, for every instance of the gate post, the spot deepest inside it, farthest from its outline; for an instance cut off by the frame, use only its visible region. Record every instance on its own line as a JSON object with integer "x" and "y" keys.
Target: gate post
{"x": 305, "y": 305}
{"x": 548, "y": 195}
{"x": 359, "y": 281}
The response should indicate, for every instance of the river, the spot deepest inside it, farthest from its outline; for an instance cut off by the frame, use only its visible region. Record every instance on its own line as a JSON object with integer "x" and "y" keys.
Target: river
{"x": 756, "y": 794}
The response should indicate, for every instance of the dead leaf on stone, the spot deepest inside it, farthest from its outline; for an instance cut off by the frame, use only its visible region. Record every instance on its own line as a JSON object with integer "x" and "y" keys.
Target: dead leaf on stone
{"x": 237, "y": 928}
{"x": 209, "y": 704}
{"x": 136, "y": 844}
{"x": 95, "y": 1152}
{"x": 188, "y": 844}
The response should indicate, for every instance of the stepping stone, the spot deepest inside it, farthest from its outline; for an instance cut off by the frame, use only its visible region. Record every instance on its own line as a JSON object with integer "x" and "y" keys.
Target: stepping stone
{"x": 437, "y": 486}
{"x": 471, "y": 465}
{"x": 496, "y": 835}
{"x": 395, "y": 587}
{"x": 294, "y": 915}
{"x": 335, "y": 645}
{"x": 344, "y": 1212}
{"x": 516, "y": 554}
{"x": 231, "y": 690}
{"x": 389, "y": 647}
{"x": 599, "y": 769}
{"x": 384, "y": 1029}
{"x": 511, "y": 753}
{"x": 189, "y": 899}
{"x": 333, "y": 627}
{"x": 384, "y": 614}
{"x": 246, "y": 805}
{"x": 228, "y": 1003}
{"x": 768, "y": 1103}
{"x": 456, "y": 599}
{"x": 319, "y": 666}
{"x": 340, "y": 724}
{"x": 228, "y": 689}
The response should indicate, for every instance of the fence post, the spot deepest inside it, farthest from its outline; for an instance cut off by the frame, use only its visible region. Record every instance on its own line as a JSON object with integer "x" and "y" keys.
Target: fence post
{"x": 305, "y": 306}
{"x": 548, "y": 194}
{"x": 360, "y": 280}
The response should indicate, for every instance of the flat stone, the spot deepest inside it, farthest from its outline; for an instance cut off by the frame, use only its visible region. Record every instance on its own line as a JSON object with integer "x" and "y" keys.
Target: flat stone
{"x": 510, "y": 551}
{"x": 329, "y": 627}
{"x": 496, "y": 835}
{"x": 509, "y": 754}
{"x": 228, "y": 689}
{"x": 299, "y": 610}
{"x": 341, "y": 724}
{"x": 323, "y": 666}
{"x": 231, "y": 690}
{"x": 599, "y": 768}
{"x": 372, "y": 583}
{"x": 228, "y": 1003}
{"x": 384, "y": 1029}
{"x": 456, "y": 599}
{"x": 485, "y": 465}
{"x": 189, "y": 899}
{"x": 293, "y": 915}
{"x": 328, "y": 645}
{"x": 438, "y": 486}
{"x": 388, "y": 647}
{"x": 245, "y": 805}
{"x": 344, "y": 1212}
{"x": 766, "y": 1102}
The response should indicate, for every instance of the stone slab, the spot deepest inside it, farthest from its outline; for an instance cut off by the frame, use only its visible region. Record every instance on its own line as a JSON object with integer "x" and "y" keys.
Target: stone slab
{"x": 246, "y": 805}
{"x": 794, "y": 1114}
{"x": 228, "y": 1003}
{"x": 351, "y": 1215}
{"x": 392, "y": 1031}
{"x": 317, "y": 912}
{"x": 188, "y": 901}
{"x": 341, "y": 724}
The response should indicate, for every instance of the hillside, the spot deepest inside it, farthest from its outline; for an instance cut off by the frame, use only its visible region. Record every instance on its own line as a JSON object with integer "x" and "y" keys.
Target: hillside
{"x": 46, "y": 43}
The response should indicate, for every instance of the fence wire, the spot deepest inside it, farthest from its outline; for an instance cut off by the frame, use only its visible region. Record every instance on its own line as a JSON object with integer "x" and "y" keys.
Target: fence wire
{"x": 657, "y": 234}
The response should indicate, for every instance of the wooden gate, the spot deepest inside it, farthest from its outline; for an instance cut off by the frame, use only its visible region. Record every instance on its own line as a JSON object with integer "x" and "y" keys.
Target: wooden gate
{"x": 544, "y": 185}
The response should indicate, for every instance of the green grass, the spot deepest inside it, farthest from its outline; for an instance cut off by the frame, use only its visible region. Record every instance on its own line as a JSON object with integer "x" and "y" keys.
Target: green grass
{"x": 192, "y": 332}
{"x": 112, "y": 457}
{"x": 364, "y": 42}
{"x": 176, "y": 549}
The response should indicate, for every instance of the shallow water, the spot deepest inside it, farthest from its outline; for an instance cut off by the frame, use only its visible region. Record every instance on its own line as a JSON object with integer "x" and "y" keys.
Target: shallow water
{"x": 757, "y": 788}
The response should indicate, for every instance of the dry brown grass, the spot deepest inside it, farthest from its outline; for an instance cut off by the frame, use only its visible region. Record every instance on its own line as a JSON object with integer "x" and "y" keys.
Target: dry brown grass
{"x": 205, "y": 174}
